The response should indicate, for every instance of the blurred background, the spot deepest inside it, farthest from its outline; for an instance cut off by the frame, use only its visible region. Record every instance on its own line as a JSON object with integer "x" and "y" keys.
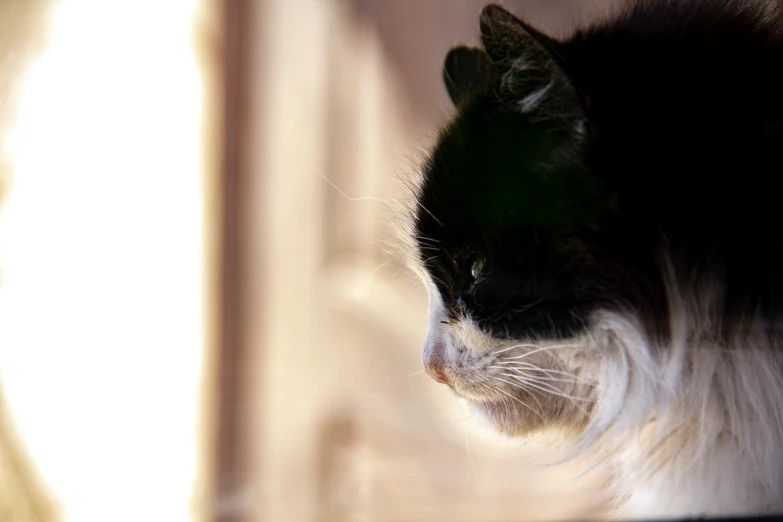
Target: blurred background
{"x": 198, "y": 319}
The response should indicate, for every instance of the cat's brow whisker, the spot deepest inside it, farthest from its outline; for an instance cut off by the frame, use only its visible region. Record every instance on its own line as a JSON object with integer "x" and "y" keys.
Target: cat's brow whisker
{"x": 343, "y": 194}
{"x": 426, "y": 238}
{"x": 429, "y": 259}
{"x": 428, "y": 212}
{"x": 390, "y": 261}
{"x": 426, "y": 241}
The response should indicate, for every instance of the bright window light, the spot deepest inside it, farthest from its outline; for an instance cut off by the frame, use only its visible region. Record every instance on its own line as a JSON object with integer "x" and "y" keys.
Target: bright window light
{"x": 101, "y": 261}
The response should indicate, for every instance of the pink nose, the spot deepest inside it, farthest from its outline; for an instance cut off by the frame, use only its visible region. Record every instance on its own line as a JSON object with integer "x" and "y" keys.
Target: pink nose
{"x": 436, "y": 374}
{"x": 434, "y": 359}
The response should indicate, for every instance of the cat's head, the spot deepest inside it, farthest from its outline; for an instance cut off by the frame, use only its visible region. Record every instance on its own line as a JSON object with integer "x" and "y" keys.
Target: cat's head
{"x": 598, "y": 229}
{"x": 506, "y": 224}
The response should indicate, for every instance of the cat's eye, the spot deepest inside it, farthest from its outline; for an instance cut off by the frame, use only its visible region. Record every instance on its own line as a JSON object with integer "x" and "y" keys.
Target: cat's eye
{"x": 476, "y": 267}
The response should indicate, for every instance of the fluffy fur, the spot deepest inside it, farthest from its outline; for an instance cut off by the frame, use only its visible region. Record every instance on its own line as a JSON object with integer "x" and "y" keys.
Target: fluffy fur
{"x": 599, "y": 232}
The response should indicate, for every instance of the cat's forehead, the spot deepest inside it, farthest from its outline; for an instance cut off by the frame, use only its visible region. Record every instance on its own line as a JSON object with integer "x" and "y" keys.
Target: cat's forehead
{"x": 492, "y": 171}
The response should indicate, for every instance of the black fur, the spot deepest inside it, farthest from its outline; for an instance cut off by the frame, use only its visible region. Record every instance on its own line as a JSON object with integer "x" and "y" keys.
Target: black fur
{"x": 659, "y": 137}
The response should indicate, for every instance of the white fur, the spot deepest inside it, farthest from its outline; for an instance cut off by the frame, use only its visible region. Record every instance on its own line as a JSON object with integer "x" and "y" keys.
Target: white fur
{"x": 532, "y": 100}
{"x": 696, "y": 427}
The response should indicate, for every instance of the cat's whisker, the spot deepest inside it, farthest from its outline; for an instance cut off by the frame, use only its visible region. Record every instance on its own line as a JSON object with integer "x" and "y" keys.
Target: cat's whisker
{"x": 527, "y": 364}
{"x": 549, "y": 388}
{"x": 544, "y": 349}
{"x": 540, "y": 406}
{"x": 530, "y": 384}
{"x": 537, "y": 378}
{"x": 493, "y": 390}
{"x": 513, "y": 348}
{"x": 520, "y": 402}
{"x": 490, "y": 389}
{"x": 547, "y": 378}
{"x": 518, "y": 366}
{"x": 537, "y": 346}
{"x": 507, "y": 406}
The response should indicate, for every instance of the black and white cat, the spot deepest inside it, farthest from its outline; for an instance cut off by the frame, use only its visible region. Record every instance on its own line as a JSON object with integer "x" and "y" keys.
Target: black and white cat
{"x": 600, "y": 232}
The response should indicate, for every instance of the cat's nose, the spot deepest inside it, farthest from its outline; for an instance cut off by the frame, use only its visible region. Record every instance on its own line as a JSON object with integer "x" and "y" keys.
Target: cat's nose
{"x": 434, "y": 360}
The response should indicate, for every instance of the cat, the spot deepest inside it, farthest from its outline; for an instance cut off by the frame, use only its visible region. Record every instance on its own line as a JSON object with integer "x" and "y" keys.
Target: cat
{"x": 599, "y": 231}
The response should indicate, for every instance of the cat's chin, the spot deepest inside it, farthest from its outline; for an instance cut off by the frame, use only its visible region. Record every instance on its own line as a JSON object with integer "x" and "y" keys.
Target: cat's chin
{"x": 492, "y": 409}
{"x": 498, "y": 416}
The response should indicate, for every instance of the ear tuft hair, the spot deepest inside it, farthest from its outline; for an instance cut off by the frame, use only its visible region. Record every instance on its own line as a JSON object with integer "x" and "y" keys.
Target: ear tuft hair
{"x": 532, "y": 75}
{"x": 505, "y": 36}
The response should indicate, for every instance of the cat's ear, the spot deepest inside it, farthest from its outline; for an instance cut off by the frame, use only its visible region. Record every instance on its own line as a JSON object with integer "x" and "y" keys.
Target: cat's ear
{"x": 465, "y": 71}
{"x": 506, "y": 37}
{"x": 531, "y": 66}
